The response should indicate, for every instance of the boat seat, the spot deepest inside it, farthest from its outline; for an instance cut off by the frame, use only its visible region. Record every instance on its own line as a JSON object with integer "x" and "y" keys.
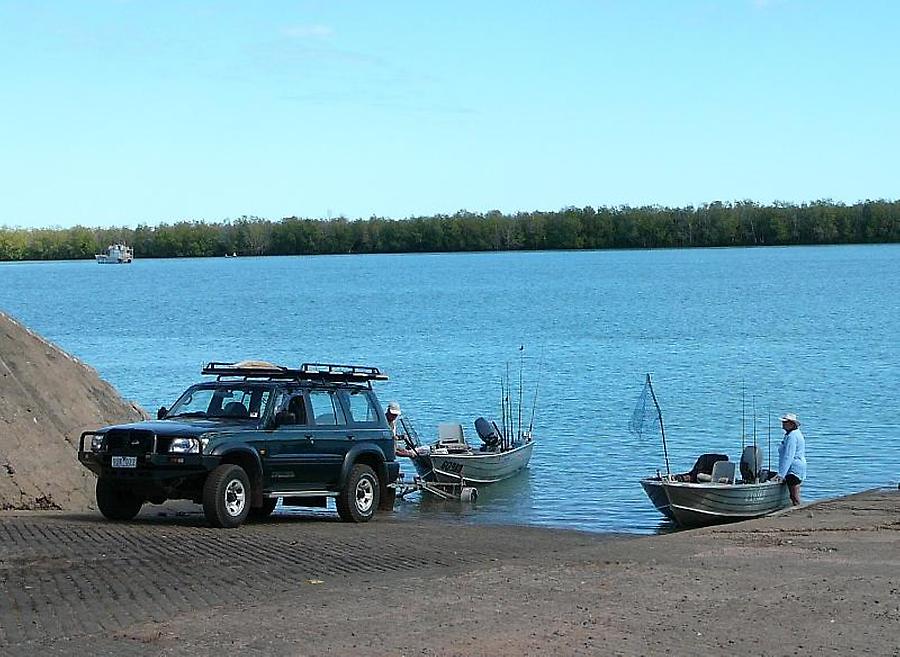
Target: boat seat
{"x": 450, "y": 433}
{"x": 723, "y": 472}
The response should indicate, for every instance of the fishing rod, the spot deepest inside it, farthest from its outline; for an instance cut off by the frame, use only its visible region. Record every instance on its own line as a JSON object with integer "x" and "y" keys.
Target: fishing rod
{"x": 508, "y": 407}
{"x": 502, "y": 408}
{"x": 754, "y": 420}
{"x": 521, "y": 367}
{"x": 769, "y": 466}
{"x": 662, "y": 428}
{"x": 743, "y": 405}
{"x": 536, "y": 387}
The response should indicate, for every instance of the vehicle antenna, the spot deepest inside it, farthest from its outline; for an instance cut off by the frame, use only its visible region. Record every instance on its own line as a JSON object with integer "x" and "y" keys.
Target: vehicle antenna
{"x": 536, "y": 387}
{"x": 521, "y": 367}
{"x": 662, "y": 428}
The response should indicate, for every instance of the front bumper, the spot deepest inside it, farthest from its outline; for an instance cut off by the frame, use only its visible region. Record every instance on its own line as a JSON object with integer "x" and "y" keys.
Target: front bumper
{"x": 148, "y": 469}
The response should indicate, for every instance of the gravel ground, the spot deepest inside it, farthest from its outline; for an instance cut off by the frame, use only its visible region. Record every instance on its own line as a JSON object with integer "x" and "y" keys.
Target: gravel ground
{"x": 819, "y": 580}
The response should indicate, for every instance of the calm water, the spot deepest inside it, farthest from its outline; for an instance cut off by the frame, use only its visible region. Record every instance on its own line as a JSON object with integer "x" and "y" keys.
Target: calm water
{"x": 808, "y": 329}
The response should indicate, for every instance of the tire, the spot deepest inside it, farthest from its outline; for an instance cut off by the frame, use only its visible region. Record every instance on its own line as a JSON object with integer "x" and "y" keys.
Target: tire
{"x": 262, "y": 512}
{"x": 226, "y": 496}
{"x": 115, "y": 502}
{"x": 359, "y": 499}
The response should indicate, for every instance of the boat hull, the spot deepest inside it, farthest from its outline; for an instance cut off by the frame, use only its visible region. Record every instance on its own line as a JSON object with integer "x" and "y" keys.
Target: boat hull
{"x": 696, "y": 505}
{"x": 657, "y": 494}
{"x": 476, "y": 467}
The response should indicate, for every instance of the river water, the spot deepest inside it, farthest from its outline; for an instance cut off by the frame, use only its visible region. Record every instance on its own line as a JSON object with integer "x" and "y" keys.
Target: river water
{"x": 811, "y": 330}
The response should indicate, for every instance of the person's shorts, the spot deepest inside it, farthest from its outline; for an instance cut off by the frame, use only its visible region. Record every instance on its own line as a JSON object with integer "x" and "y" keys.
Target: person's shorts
{"x": 793, "y": 480}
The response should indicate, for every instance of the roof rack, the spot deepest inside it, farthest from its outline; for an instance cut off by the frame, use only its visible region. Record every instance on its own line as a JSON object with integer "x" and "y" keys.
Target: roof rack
{"x": 328, "y": 372}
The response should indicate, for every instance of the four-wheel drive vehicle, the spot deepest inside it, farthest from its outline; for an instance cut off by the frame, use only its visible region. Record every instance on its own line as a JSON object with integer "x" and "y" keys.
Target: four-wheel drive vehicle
{"x": 256, "y": 433}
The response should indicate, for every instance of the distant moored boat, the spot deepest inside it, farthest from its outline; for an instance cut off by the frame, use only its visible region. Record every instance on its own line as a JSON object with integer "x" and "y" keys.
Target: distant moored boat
{"x": 116, "y": 254}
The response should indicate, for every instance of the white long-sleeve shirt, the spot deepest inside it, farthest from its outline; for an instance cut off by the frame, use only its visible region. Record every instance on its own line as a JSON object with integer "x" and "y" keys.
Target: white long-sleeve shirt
{"x": 792, "y": 455}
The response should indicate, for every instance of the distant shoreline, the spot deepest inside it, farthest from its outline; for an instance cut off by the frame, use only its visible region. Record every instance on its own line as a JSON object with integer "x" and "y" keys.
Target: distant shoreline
{"x": 716, "y": 225}
{"x": 442, "y": 253}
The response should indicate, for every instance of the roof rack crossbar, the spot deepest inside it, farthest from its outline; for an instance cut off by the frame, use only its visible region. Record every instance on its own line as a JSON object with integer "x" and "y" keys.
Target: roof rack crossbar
{"x": 306, "y": 372}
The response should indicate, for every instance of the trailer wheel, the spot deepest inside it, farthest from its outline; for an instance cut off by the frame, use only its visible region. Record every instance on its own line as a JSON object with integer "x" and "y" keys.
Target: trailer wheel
{"x": 468, "y": 494}
{"x": 116, "y": 502}
{"x": 360, "y": 497}
{"x": 226, "y": 496}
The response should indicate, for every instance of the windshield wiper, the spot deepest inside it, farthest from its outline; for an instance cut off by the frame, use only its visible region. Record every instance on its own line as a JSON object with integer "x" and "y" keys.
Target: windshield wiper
{"x": 189, "y": 414}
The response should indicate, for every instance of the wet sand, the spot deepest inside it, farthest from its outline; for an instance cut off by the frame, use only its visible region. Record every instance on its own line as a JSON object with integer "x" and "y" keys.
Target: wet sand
{"x": 823, "y": 579}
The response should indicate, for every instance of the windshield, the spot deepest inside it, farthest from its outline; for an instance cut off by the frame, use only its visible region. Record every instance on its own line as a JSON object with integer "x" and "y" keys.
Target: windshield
{"x": 235, "y": 401}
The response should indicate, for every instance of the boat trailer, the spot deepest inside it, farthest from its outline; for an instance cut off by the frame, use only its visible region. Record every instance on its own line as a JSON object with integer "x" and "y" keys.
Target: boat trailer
{"x": 455, "y": 488}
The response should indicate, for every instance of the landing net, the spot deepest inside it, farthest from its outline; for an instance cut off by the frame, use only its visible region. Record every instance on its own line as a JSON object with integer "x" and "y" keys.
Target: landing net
{"x": 645, "y": 418}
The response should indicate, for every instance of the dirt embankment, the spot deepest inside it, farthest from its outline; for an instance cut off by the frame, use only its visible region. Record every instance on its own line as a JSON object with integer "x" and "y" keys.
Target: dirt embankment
{"x": 47, "y": 398}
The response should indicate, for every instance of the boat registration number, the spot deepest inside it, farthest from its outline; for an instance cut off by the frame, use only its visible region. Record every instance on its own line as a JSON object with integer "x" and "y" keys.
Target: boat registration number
{"x": 124, "y": 461}
{"x": 451, "y": 467}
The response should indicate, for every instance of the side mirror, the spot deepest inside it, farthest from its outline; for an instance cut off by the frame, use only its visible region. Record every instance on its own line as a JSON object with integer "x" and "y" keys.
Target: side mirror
{"x": 284, "y": 417}
{"x": 161, "y": 413}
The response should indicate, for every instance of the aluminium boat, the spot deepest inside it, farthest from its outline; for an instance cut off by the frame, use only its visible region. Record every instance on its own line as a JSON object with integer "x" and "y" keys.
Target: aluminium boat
{"x": 452, "y": 458}
{"x": 714, "y": 491}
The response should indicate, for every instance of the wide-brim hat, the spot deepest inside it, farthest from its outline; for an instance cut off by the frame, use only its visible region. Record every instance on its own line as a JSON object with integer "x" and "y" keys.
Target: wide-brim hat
{"x": 790, "y": 417}
{"x": 394, "y": 409}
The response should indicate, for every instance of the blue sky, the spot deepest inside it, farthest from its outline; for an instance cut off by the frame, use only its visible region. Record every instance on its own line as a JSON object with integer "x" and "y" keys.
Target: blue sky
{"x": 126, "y": 112}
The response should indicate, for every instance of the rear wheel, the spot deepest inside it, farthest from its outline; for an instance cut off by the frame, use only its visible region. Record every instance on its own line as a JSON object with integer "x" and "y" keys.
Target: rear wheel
{"x": 116, "y": 502}
{"x": 226, "y": 496}
{"x": 359, "y": 498}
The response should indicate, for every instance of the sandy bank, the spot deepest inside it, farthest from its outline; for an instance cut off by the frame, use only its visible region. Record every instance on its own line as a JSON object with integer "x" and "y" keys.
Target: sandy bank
{"x": 47, "y": 398}
{"x": 820, "y": 580}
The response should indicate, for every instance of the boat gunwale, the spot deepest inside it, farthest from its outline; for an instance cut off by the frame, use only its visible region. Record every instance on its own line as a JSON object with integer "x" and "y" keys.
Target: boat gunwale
{"x": 715, "y": 484}
{"x": 474, "y": 455}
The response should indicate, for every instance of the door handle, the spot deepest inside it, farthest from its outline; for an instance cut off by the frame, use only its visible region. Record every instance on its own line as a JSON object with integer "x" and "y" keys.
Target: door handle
{"x": 350, "y": 436}
{"x": 310, "y": 439}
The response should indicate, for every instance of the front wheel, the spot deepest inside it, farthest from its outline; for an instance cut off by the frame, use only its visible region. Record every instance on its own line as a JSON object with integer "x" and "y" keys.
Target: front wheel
{"x": 115, "y": 502}
{"x": 226, "y": 496}
{"x": 359, "y": 498}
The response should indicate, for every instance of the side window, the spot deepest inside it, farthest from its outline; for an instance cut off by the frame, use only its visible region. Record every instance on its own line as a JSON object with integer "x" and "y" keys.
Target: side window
{"x": 258, "y": 401}
{"x": 326, "y": 409}
{"x": 362, "y": 410}
{"x": 297, "y": 406}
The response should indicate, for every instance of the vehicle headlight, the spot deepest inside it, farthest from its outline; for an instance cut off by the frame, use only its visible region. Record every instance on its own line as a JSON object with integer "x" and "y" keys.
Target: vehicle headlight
{"x": 185, "y": 446}
{"x": 96, "y": 443}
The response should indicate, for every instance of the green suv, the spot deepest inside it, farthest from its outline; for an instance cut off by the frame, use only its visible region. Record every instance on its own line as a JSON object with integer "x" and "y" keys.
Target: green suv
{"x": 256, "y": 433}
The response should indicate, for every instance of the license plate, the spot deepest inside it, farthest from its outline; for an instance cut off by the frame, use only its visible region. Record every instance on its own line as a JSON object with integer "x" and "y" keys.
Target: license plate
{"x": 124, "y": 461}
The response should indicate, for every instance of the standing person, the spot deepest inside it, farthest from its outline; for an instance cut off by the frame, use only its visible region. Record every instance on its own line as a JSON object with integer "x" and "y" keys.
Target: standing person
{"x": 392, "y": 415}
{"x": 792, "y": 456}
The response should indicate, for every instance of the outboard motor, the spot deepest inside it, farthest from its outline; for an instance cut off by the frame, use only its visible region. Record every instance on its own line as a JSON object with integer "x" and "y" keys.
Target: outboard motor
{"x": 488, "y": 433}
{"x": 751, "y": 464}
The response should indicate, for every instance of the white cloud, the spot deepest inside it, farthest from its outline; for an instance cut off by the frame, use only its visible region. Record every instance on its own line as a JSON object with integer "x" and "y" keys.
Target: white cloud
{"x": 308, "y": 32}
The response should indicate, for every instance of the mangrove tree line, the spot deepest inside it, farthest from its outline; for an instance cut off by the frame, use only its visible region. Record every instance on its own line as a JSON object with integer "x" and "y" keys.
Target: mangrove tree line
{"x": 714, "y": 224}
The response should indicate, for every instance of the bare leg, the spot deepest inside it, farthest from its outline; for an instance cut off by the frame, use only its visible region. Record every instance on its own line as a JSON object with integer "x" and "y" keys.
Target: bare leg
{"x": 795, "y": 494}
